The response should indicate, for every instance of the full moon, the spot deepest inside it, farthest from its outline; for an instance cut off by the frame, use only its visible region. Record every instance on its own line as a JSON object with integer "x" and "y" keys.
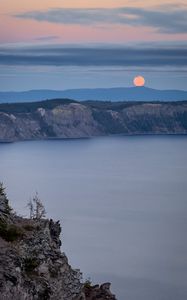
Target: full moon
{"x": 139, "y": 81}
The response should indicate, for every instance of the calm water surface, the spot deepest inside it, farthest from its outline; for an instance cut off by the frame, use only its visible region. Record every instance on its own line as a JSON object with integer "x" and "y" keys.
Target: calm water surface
{"x": 122, "y": 202}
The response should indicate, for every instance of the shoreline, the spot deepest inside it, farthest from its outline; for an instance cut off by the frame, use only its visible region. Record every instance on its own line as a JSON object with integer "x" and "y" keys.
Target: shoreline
{"x": 92, "y": 137}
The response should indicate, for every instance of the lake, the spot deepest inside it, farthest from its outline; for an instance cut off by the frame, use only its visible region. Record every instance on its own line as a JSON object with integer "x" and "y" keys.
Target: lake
{"x": 122, "y": 203}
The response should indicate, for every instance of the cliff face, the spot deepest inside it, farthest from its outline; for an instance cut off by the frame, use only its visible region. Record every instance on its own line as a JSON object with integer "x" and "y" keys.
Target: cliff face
{"x": 32, "y": 266}
{"x": 70, "y": 119}
{"x": 63, "y": 121}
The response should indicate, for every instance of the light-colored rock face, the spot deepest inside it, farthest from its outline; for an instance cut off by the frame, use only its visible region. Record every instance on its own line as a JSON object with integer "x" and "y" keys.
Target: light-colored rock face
{"x": 7, "y": 129}
{"x": 73, "y": 120}
{"x": 14, "y": 127}
{"x": 76, "y": 120}
{"x": 157, "y": 118}
{"x": 64, "y": 121}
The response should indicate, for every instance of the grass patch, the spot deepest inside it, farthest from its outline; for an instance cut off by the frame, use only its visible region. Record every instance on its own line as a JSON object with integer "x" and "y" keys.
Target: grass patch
{"x": 29, "y": 227}
{"x": 10, "y": 233}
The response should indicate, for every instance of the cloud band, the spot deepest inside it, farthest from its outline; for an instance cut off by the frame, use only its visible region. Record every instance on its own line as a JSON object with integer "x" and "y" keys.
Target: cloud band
{"x": 96, "y": 56}
{"x": 171, "y": 19}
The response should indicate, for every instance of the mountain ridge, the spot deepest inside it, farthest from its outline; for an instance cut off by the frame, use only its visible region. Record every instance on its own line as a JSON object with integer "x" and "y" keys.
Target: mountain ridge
{"x": 64, "y": 118}
{"x": 102, "y": 94}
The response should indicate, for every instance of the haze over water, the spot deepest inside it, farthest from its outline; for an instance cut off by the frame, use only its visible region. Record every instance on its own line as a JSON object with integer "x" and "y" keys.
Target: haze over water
{"x": 121, "y": 202}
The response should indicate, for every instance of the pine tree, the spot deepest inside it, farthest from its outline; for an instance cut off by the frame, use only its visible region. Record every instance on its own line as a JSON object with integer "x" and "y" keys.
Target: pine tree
{"x": 4, "y": 200}
{"x": 2, "y": 189}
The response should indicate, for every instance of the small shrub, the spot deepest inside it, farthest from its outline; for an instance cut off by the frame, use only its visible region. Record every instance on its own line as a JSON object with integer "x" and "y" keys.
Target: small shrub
{"x": 30, "y": 264}
{"x": 36, "y": 208}
{"x": 10, "y": 233}
{"x": 3, "y": 228}
{"x": 88, "y": 283}
{"x": 13, "y": 233}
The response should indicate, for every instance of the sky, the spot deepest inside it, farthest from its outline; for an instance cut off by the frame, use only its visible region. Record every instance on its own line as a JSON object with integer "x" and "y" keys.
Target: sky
{"x": 57, "y": 44}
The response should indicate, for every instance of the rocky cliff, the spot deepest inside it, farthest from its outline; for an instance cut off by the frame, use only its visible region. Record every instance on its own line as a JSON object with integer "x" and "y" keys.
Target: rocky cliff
{"x": 70, "y": 119}
{"x": 32, "y": 266}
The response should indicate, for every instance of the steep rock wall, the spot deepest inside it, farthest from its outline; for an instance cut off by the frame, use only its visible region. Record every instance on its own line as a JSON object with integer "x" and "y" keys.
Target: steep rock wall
{"x": 76, "y": 120}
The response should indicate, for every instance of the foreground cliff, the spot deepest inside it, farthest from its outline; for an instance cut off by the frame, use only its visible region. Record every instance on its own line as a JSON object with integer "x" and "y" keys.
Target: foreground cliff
{"x": 64, "y": 118}
{"x": 32, "y": 266}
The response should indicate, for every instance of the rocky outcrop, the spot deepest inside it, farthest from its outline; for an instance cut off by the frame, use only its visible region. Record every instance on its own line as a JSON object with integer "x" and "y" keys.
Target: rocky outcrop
{"x": 70, "y": 119}
{"x": 32, "y": 266}
{"x": 98, "y": 292}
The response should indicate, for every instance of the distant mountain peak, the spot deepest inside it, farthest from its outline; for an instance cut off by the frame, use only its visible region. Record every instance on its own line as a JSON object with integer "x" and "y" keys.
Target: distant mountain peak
{"x": 142, "y": 93}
